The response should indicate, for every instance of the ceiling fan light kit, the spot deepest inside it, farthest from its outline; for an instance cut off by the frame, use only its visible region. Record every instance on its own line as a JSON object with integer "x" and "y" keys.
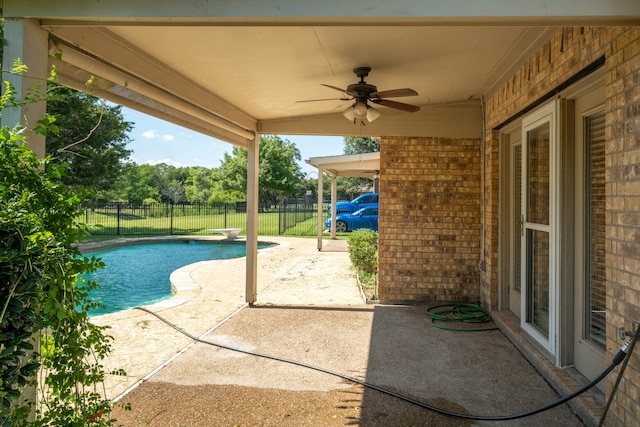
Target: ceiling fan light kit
{"x": 361, "y": 111}
{"x": 372, "y": 114}
{"x": 348, "y": 113}
{"x": 362, "y": 92}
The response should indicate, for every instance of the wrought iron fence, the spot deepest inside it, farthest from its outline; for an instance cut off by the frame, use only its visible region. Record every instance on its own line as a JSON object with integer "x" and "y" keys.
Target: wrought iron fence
{"x": 290, "y": 218}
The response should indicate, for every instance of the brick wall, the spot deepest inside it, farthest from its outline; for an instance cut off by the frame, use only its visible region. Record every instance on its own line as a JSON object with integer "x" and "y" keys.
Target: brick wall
{"x": 568, "y": 52}
{"x": 622, "y": 191}
{"x": 429, "y": 219}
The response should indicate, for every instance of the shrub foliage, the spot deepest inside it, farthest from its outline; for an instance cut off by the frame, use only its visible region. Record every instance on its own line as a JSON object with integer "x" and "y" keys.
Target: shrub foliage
{"x": 44, "y": 330}
{"x": 363, "y": 252}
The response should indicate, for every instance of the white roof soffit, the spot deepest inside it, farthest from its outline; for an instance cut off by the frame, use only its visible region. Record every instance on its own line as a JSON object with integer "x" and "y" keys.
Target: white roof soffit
{"x": 456, "y": 120}
{"x": 353, "y": 165}
{"x": 77, "y": 79}
{"x": 294, "y": 12}
{"x": 139, "y": 81}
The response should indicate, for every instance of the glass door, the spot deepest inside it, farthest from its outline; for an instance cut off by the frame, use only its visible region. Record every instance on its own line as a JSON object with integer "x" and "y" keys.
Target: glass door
{"x": 537, "y": 238}
{"x": 590, "y": 289}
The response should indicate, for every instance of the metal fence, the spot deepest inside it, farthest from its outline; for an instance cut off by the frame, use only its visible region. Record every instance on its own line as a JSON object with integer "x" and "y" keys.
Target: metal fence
{"x": 127, "y": 219}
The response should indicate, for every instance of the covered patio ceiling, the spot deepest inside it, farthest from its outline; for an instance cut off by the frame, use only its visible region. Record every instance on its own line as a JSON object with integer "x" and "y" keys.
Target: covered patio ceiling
{"x": 255, "y": 76}
{"x": 229, "y": 69}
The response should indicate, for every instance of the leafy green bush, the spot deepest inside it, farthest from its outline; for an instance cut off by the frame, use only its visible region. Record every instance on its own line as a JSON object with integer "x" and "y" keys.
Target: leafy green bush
{"x": 363, "y": 252}
{"x": 41, "y": 295}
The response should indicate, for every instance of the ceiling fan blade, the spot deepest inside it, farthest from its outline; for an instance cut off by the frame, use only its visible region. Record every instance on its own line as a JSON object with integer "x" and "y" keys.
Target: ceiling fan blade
{"x": 337, "y": 88}
{"x": 397, "y": 105}
{"x": 326, "y": 99}
{"x": 394, "y": 93}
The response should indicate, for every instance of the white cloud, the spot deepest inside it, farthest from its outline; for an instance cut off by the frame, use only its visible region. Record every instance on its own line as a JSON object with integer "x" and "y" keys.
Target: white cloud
{"x": 152, "y": 134}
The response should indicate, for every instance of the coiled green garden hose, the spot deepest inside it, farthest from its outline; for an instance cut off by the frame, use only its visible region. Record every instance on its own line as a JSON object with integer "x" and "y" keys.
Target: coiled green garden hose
{"x": 460, "y": 312}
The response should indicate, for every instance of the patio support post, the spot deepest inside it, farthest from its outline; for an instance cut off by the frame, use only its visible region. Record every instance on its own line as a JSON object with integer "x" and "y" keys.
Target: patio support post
{"x": 253, "y": 150}
{"x": 26, "y": 40}
{"x": 334, "y": 196}
{"x": 320, "y": 208}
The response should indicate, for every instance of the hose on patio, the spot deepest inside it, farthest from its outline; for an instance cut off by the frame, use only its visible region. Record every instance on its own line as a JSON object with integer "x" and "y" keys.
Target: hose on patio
{"x": 634, "y": 340}
{"x": 620, "y": 356}
{"x": 460, "y": 313}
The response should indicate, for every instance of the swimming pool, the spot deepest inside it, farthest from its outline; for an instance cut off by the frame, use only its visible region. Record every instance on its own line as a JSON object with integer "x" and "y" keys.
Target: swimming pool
{"x": 138, "y": 274}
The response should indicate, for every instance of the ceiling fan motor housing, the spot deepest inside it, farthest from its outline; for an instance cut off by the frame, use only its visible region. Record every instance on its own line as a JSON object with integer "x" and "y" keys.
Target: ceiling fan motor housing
{"x": 362, "y": 89}
{"x": 363, "y": 93}
{"x": 362, "y": 72}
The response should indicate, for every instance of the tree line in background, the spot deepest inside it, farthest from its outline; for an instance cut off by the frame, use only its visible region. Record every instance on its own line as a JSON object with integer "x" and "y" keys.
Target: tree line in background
{"x": 92, "y": 144}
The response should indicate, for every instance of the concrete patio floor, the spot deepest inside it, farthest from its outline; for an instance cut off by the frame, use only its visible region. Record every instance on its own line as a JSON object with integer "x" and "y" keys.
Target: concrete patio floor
{"x": 310, "y": 310}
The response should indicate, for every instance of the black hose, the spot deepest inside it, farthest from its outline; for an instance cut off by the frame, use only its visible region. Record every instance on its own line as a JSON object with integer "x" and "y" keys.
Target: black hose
{"x": 617, "y": 359}
{"x": 617, "y": 383}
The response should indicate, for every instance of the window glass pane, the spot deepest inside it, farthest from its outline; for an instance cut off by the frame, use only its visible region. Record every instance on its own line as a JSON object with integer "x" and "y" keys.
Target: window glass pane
{"x": 517, "y": 215}
{"x": 595, "y": 284}
{"x": 538, "y": 277}
{"x": 538, "y": 157}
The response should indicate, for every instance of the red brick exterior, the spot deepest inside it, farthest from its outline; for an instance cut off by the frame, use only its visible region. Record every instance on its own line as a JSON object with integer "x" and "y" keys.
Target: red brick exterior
{"x": 432, "y": 213}
{"x": 429, "y": 219}
{"x": 568, "y": 52}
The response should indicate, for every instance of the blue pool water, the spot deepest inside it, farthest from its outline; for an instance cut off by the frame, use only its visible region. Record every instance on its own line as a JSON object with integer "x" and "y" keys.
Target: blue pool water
{"x": 139, "y": 274}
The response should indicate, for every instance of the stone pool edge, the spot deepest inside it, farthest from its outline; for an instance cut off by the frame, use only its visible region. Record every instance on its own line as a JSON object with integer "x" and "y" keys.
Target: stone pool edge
{"x": 182, "y": 284}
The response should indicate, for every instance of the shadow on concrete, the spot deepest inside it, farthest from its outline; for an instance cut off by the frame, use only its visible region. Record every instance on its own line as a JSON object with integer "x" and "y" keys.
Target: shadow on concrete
{"x": 472, "y": 373}
{"x": 388, "y": 346}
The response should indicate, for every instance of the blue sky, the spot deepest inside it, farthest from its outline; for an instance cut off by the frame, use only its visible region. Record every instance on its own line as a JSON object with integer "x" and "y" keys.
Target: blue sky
{"x": 156, "y": 141}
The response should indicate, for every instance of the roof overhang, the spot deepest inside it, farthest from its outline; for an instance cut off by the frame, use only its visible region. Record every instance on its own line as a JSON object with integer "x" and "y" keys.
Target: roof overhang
{"x": 365, "y": 165}
{"x": 233, "y": 69}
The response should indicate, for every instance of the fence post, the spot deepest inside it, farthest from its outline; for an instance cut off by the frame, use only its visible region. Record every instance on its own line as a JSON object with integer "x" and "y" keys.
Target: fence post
{"x": 226, "y": 210}
{"x": 282, "y": 218}
{"x": 118, "y": 217}
{"x": 171, "y": 220}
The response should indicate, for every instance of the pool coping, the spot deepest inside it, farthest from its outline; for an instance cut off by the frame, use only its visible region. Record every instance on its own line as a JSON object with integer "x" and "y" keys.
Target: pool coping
{"x": 126, "y": 241}
{"x": 183, "y": 286}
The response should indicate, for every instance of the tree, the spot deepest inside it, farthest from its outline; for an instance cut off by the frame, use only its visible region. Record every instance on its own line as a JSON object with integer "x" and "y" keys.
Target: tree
{"x": 360, "y": 145}
{"x": 204, "y": 186}
{"x": 279, "y": 175}
{"x": 175, "y": 192}
{"x": 232, "y": 173}
{"x": 136, "y": 184}
{"x": 356, "y": 145}
{"x": 91, "y": 139}
{"x": 170, "y": 183}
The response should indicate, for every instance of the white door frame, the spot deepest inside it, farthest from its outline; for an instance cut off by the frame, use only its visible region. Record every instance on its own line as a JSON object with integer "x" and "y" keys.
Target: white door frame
{"x": 509, "y": 224}
{"x": 588, "y": 359}
{"x": 548, "y": 113}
